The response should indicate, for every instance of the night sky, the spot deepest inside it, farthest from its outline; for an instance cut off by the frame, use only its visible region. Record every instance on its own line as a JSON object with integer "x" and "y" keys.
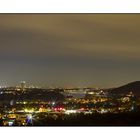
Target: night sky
{"x": 101, "y": 50}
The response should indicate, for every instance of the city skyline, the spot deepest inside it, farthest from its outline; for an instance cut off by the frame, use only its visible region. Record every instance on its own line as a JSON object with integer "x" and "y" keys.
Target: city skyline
{"x": 69, "y": 49}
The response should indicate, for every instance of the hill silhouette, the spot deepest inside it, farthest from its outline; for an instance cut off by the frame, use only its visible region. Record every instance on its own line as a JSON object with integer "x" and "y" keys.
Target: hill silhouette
{"x": 33, "y": 95}
{"x": 133, "y": 87}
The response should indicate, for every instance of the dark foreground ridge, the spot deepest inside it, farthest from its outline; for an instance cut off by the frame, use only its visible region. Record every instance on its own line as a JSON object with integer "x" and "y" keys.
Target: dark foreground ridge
{"x": 122, "y": 119}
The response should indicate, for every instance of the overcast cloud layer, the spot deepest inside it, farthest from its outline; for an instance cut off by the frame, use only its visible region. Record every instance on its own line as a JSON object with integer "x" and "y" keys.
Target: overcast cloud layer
{"x": 70, "y": 49}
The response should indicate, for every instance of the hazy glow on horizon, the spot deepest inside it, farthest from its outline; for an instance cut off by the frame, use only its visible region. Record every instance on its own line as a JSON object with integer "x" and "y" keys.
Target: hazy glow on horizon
{"x": 70, "y": 49}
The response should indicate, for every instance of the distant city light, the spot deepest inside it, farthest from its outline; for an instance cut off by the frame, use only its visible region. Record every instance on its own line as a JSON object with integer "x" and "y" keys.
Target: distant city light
{"x": 53, "y": 103}
{"x": 29, "y": 110}
{"x": 70, "y": 111}
{"x": 10, "y": 123}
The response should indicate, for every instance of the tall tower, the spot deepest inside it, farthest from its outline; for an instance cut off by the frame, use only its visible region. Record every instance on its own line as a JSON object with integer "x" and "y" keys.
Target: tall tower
{"x": 23, "y": 85}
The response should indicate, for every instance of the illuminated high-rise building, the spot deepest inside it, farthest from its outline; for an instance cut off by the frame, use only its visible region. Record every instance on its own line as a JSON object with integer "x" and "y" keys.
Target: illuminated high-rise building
{"x": 23, "y": 85}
